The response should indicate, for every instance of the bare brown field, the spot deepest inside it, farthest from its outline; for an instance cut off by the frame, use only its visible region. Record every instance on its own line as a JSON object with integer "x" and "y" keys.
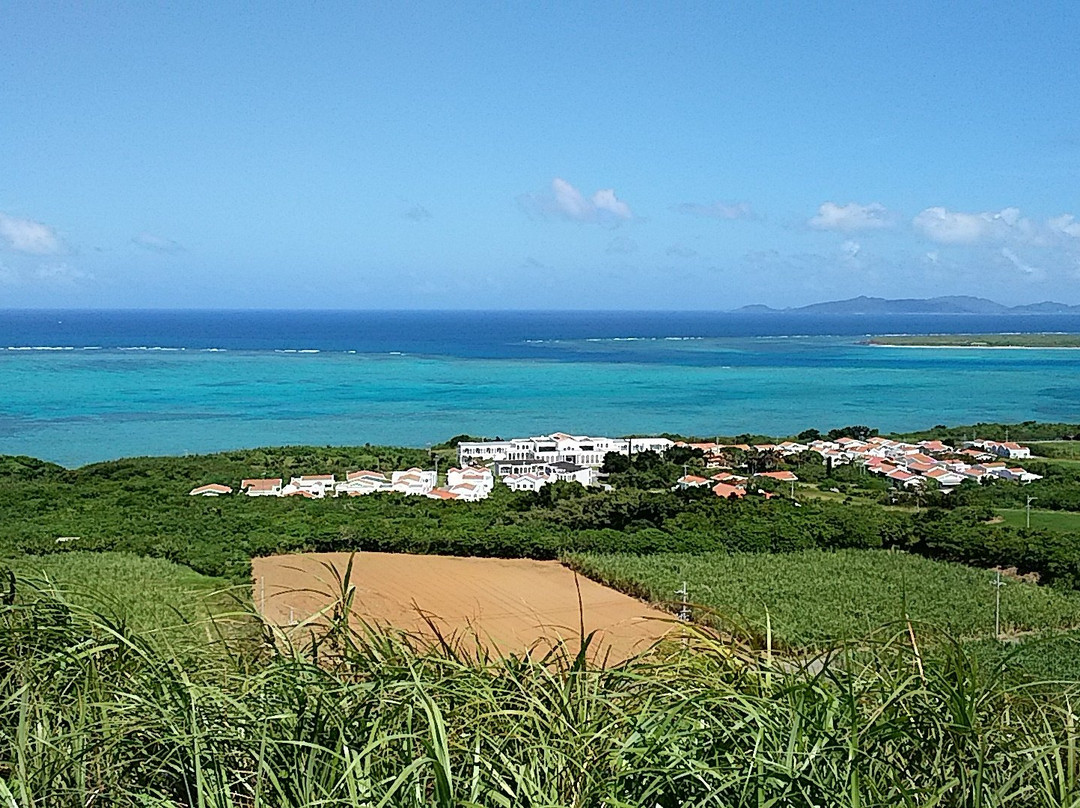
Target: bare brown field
{"x": 509, "y": 606}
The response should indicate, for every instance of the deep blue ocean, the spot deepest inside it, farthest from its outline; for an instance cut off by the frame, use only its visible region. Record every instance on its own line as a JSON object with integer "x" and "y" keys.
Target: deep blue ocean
{"x": 80, "y": 386}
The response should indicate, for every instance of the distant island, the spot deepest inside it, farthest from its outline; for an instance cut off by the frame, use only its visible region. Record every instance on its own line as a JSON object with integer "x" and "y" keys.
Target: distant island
{"x": 977, "y": 340}
{"x": 954, "y": 304}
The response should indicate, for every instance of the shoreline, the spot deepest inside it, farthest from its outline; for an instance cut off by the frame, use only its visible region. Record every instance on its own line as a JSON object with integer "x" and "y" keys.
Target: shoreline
{"x": 976, "y": 347}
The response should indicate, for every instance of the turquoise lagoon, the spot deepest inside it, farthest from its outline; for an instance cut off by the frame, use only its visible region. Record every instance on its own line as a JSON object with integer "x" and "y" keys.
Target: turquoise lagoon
{"x": 81, "y": 403}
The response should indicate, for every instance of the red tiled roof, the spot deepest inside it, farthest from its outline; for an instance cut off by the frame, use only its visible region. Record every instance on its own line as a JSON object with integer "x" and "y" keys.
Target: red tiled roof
{"x": 215, "y": 487}
{"x": 786, "y": 476}
{"x": 442, "y": 493}
{"x": 724, "y": 490}
{"x": 353, "y": 475}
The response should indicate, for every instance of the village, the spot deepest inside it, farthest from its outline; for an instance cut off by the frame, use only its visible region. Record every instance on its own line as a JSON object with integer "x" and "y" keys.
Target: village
{"x": 528, "y": 464}
{"x": 907, "y": 465}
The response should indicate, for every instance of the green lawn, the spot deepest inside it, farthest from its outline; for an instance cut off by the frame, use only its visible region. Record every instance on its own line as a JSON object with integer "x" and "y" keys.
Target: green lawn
{"x": 1062, "y": 449}
{"x": 1043, "y": 520}
{"x": 816, "y": 597}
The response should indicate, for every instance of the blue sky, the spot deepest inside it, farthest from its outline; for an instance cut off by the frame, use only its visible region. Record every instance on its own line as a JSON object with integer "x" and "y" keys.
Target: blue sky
{"x": 586, "y": 155}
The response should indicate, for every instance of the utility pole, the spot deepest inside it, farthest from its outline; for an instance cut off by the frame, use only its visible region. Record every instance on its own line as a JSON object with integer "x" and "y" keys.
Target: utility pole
{"x": 1027, "y": 518}
{"x": 793, "y": 490}
{"x": 684, "y": 608}
{"x": 998, "y": 583}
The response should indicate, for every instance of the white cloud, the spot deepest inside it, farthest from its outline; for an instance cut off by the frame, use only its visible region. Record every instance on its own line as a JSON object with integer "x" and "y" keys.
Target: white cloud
{"x": 566, "y": 201}
{"x": 956, "y": 227}
{"x": 850, "y": 248}
{"x": 717, "y": 210}
{"x": 62, "y": 274}
{"x": 1007, "y": 225}
{"x": 1065, "y": 224}
{"x": 605, "y": 199}
{"x": 148, "y": 241}
{"x": 1017, "y": 262}
{"x": 28, "y": 236}
{"x": 852, "y": 217}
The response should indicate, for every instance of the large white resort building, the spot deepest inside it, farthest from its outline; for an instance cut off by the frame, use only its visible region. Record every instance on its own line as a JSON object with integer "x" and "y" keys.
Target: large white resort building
{"x": 582, "y": 450}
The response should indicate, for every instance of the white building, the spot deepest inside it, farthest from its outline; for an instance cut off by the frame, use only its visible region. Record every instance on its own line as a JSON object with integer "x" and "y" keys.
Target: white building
{"x": 413, "y": 481}
{"x": 582, "y": 450}
{"x": 469, "y": 492}
{"x": 362, "y": 482}
{"x": 1013, "y": 451}
{"x": 572, "y": 472}
{"x": 262, "y": 488}
{"x": 471, "y": 475}
{"x": 526, "y": 482}
{"x": 945, "y": 477}
{"x": 315, "y": 484}
{"x": 211, "y": 490}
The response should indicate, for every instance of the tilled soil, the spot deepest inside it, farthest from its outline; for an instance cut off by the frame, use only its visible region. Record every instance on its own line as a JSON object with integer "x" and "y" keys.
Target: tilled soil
{"x": 509, "y": 606}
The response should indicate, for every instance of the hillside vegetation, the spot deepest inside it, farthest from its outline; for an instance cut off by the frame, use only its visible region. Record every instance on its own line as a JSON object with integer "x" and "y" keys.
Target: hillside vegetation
{"x": 141, "y": 505}
{"x": 99, "y": 715}
{"x": 136, "y": 674}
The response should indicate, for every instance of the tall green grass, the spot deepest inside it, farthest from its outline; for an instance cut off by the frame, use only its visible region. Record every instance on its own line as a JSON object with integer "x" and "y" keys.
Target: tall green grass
{"x": 818, "y": 598}
{"x": 95, "y": 714}
{"x": 153, "y": 597}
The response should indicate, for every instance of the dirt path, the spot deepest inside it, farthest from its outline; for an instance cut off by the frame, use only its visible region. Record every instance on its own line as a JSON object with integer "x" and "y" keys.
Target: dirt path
{"x": 509, "y": 605}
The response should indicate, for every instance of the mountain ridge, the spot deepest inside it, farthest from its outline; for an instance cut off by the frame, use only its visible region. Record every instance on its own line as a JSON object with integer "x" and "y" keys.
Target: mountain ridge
{"x": 946, "y": 304}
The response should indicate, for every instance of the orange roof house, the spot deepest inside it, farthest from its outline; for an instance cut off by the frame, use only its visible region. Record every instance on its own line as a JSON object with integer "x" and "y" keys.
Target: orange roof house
{"x": 211, "y": 490}
{"x": 261, "y": 485}
{"x": 726, "y": 491}
{"x": 783, "y": 476}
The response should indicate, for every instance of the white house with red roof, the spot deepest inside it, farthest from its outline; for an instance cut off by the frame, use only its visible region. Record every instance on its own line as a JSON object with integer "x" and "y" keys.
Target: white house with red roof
{"x": 1009, "y": 449}
{"x": 358, "y": 483}
{"x": 782, "y": 476}
{"x": 905, "y": 478}
{"x": 692, "y": 481}
{"x": 476, "y": 476}
{"x": 944, "y": 477}
{"x": 318, "y": 485}
{"x": 441, "y": 493}
{"x": 261, "y": 488}
{"x": 469, "y": 492}
{"x": 211, "y": 490}
{"x": 726, "y": 491}
{"x": 412, "y": 481}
